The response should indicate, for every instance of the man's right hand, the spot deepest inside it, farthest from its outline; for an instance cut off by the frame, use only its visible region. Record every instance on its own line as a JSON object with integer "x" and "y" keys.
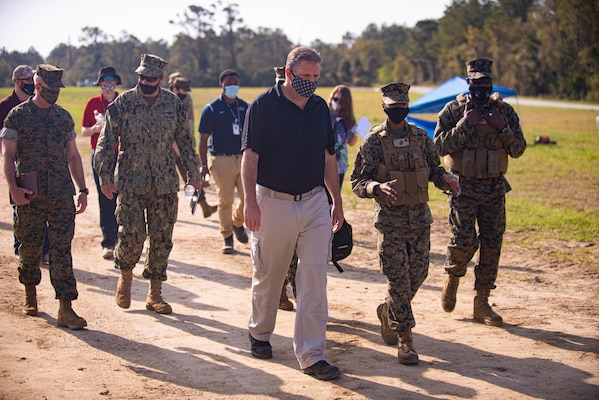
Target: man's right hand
{"x": 472, "y": 115}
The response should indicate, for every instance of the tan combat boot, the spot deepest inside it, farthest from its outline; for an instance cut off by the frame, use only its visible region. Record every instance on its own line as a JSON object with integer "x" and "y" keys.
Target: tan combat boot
{"x": 154, "y": 301}
{"x": 207, "y": 210}
{"x": 30, "y": 306}
{"x": 448, "y": 295}
{"x": 284, "y": 303}
{"x": 389, "y": 335}
{"x": 406, "y": 352}
{"x": 68, "y": 318}
{"x": 123, "y": 289}
{"x": 483, "y": 311}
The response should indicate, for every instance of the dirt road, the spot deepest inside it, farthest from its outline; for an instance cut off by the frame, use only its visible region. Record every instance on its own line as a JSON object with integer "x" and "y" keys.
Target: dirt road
{"x": 547, "y": 349}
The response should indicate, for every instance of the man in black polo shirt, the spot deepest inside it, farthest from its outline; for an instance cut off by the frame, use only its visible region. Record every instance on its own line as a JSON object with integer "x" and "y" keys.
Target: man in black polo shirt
{"x": 222, "y": 123}
{"x": 288, "y": 156}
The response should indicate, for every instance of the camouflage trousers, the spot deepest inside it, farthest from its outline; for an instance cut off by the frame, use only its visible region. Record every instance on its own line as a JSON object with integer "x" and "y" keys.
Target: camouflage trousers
{"x": 482, "y": 205}
{"x": 404, "y": 259}
{"x": 30, "y": 223}
{"x": 145, "y": 216}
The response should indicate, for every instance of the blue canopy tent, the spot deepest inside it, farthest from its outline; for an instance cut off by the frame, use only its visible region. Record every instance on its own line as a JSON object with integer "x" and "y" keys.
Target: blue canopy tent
{"x": 435, "y": 100}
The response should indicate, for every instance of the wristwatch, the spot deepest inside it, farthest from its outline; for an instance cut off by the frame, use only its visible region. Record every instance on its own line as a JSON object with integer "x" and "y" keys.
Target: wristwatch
{"x": 84, "y": 190}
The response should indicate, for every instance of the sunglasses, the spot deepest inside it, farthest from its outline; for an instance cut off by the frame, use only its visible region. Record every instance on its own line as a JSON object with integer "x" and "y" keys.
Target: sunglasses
{"x": 107, "y": 78}
{"x": 148, "y": 78}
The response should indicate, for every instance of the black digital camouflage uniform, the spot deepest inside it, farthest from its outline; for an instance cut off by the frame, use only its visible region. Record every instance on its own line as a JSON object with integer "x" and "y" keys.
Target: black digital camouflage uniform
{"x": 145, "y": 175}
{"x": 42, "y": 136}
{"x": 404, "y": 230}
{"x": 482, "y": 201}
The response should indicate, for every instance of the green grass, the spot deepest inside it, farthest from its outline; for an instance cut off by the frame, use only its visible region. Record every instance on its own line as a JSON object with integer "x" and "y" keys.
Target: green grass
{"x": 555, "y": 187}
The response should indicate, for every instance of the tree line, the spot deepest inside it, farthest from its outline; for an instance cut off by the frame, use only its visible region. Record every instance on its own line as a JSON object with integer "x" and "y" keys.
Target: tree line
{"x": 547, "y": 48}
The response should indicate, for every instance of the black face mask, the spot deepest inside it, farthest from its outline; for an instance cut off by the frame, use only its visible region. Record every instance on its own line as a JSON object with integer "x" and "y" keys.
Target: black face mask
{"x": 51, "y": 96}
{"x": 29, "y": 88}
{"x": 397, "y": 114}
{"x": 480, "y": 94}
{"x": 147, "y": 89}
{"x": 181, "y": 96}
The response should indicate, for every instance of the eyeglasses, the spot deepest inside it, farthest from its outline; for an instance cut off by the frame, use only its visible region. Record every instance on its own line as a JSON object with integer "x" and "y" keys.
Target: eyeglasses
{"x": 336, "y": 99}
{"x": 107, "y": 78}
{"x": 148, "y": 78}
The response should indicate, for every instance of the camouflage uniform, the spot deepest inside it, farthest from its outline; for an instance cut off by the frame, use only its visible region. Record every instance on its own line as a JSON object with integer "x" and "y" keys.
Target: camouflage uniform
{"x": 482, "y": 200}
{"x": 145, "y": 175}
{"x": 42, "y": 136}
{"x": 403, "y": 230}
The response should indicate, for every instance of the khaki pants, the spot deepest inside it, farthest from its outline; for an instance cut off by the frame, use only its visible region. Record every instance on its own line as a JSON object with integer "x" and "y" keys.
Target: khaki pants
{"x": 226, "y": 172}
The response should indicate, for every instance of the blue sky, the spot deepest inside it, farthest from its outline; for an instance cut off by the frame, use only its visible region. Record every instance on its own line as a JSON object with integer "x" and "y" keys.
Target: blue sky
{"x": 44, "y": 24}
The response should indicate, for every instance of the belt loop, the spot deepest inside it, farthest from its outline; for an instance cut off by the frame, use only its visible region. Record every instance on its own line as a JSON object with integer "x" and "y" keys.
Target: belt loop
{"x": 297, "y": 197}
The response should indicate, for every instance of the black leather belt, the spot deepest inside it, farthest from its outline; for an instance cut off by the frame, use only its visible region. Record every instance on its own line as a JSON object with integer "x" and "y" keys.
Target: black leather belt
{"x": 286, "y": 196}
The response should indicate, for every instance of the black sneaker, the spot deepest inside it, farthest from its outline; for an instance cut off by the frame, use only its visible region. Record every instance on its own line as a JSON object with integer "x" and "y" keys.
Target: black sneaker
{"x": 240, "y": 234}
{"x": 322, "y": 370}
{"x": 228, "y": 245}
{"x": 260, "y": 349}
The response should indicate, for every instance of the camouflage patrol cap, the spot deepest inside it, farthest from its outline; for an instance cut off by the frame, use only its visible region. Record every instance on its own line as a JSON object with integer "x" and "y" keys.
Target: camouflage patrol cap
{"x": 279, "y": 73}
{"x": 51, "y": 75}
{"x": 22, "y": 72}
{"x": 479, "y": 68}
{"x": 182, "y": 83}
{"x": 396, "y": 93}
{"x": 151, "y": 65}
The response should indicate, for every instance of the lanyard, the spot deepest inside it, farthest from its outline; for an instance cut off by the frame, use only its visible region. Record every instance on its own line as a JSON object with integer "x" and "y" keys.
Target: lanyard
{"x": 237, "y": 118}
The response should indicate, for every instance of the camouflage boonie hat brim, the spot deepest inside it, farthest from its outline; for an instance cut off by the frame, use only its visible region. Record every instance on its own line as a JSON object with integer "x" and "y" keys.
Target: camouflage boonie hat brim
{"x": 279, "y": 73}
{"x": 182, "y": 83}
{"x": 479, "y": 68}
{"x": 51, "y": 75}
{"x": 22, "y": 72}
{"x": 151, "y": 65}
{"x": 396, "y": 93}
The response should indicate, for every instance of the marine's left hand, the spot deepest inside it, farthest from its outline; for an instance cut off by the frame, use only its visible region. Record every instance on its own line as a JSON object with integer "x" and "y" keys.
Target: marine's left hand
{"x": 496, "y": 119}
{"x": 453, "y": 183}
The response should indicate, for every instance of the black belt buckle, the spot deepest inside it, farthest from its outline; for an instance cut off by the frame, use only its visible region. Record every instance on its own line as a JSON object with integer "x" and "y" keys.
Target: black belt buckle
{"x": 297, "y": 197}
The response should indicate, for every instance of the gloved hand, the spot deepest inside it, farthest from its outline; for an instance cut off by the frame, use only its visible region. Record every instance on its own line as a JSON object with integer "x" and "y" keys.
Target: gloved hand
{"x": 495, "y": 119}
{"x": 472, "y": 115}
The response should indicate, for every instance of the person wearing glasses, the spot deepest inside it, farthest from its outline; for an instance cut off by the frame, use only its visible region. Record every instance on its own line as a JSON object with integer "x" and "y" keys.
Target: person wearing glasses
{"x": 39, "y": 136}
{"x": 22, "y": 77}
{"x": 145, "y": 121}
{"x": 91, "y": 125}
{"x": 288, "y": 157}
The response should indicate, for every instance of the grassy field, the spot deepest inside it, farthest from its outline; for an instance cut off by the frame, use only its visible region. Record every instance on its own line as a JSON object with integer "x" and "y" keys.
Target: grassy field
{"x": 555, "y": 192}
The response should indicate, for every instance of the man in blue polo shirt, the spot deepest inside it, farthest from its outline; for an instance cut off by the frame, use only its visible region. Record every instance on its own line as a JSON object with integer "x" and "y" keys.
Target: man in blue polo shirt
{"x": 222, "y": 123}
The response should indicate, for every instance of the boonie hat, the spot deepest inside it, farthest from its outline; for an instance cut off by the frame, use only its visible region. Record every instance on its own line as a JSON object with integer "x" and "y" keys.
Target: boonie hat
{"x": 22, "y": 71}
{"x": 479, "y": 68}
{"x": 151, "y": 65}
{"x": 51, "y": 75}
{"x": 396, "y": 93}
{"x": 107, "y": 71}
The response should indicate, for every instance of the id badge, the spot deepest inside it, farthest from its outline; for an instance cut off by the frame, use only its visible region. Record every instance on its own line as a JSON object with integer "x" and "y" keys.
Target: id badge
{"x": 236, "y": 129}
{"x": 397, "y": 143}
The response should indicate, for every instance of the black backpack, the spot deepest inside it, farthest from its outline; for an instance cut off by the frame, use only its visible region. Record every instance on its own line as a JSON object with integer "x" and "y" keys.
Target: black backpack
{"x": 343, "y": 244}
